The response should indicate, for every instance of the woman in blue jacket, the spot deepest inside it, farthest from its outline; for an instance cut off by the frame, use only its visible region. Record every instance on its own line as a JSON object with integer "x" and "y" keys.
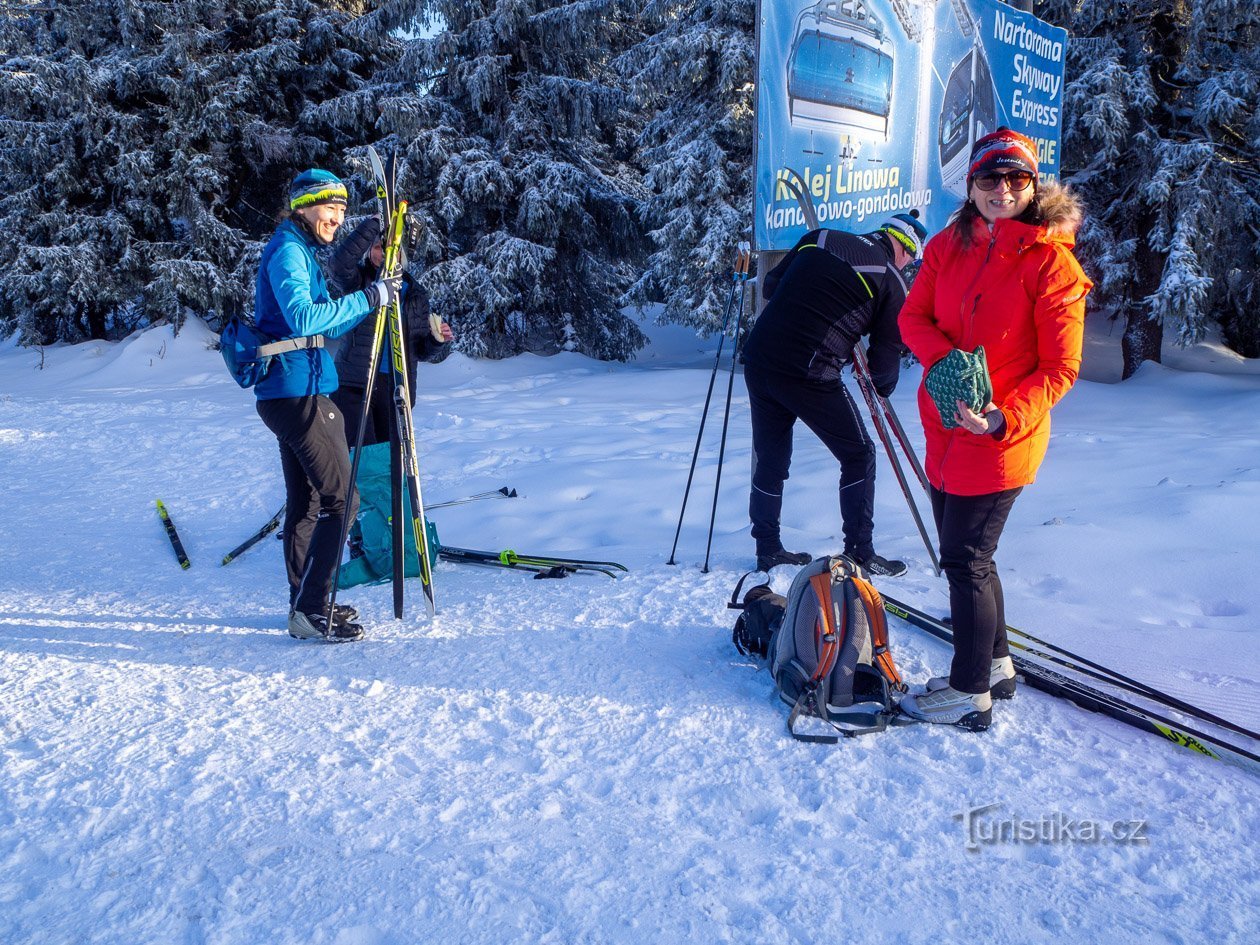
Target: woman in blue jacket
{"x": 292, "y": 301}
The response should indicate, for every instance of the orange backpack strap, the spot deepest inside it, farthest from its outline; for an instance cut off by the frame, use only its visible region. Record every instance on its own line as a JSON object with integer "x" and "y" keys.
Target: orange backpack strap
{"x": 879, "y": 634}
{"x": 831, "y": 636}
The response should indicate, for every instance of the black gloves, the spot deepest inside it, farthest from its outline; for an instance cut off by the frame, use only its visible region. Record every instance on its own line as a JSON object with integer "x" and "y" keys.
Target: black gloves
{"x": 383, "y": 292}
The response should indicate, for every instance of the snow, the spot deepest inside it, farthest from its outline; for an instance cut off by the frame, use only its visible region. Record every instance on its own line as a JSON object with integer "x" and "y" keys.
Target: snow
{"x": 588, "y": 760}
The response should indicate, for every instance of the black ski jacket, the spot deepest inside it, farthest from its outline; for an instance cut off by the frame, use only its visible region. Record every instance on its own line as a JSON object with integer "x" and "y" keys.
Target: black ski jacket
{"x": 351, "y": 270}
{"x": 829, "y": 291}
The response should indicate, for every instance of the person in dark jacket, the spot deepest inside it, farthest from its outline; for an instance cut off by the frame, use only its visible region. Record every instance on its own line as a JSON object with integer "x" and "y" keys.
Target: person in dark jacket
{"x": 353, "y": 265}
{"x": 830, "y": 290}
{"x": 292, "y": 302}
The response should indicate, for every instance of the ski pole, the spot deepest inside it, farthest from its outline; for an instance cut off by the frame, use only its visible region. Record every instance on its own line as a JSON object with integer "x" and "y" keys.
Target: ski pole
{"x": 503, "y": 493}
{"x": 893, "y": 421}
{"x": 397, "y": 486}
{"x": 866, "y": 386}
{"x": 740, "y": 273}
{"x": 377, "y": 333}
{"x": 746, "y": 255}
{"x": 378, "y": 336}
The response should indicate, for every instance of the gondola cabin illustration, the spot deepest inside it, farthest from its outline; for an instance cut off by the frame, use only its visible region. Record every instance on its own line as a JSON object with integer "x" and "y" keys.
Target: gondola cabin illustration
{"x": 840, "y": 70}
{"x": 968, "y": 113}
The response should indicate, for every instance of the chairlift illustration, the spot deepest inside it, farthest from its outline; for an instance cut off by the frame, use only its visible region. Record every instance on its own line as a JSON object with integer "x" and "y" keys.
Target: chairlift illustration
{"x": 968, "y": 113}
{"x": 840, "y": 70}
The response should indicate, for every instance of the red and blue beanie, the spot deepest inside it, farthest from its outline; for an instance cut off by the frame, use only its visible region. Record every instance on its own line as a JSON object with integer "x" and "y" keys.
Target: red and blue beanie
{"x": 314, "y": 187}
{"x": 1003, "y": 150}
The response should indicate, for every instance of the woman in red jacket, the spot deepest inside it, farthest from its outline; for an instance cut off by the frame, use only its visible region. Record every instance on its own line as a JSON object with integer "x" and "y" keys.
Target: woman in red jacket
{"x": 1001, "y": 275}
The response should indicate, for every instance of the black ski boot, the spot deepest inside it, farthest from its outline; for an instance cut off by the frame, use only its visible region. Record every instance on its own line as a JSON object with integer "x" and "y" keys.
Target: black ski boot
{"x": 879, "y": 566}
{"x": 775, "y": 558}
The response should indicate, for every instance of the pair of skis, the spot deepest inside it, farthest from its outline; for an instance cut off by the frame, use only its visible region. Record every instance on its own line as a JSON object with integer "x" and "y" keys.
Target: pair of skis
{"x": 273, "y": 523}
{"x": 543, "y": 566}
{"x": 405, "y": 468}
{"x": 1096, "y": 700}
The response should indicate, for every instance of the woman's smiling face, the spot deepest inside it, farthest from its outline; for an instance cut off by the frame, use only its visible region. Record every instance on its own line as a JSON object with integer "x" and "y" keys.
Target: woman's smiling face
{"x": 1002, "y": 202}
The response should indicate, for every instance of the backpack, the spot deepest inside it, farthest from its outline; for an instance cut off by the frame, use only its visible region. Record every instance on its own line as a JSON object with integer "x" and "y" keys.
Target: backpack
{"x": 826, "y": 646}
{"x": 248, "y": 353}
{"x": 372, "y": 530}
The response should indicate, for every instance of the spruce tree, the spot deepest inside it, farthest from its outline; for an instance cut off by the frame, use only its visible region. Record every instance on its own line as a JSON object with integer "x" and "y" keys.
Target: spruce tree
{"x": 148, "y": 145}
{"x": 1161, "y": 125}
{"x": 516, "y": 150}
{"x": 694, "y": 77}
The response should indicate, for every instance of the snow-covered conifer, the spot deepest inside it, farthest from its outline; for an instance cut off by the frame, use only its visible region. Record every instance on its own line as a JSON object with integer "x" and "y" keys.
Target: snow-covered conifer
{"x": 1162, "y": 125}
{"x": 147, "y": 145}
{"x": 516, "y": 151}
{"x": 694, "y": 77}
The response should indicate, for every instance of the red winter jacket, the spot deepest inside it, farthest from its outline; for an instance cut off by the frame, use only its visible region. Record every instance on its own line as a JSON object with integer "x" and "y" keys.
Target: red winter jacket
{"x": 1020, "y": 292}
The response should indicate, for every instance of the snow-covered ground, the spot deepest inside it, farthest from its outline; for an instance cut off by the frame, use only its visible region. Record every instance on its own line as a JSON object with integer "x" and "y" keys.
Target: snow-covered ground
{"x": 588, "y": 760}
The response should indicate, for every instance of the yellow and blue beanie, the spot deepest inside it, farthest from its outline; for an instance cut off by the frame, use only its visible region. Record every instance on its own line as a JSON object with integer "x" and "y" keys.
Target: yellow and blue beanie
{"x": 907, "y": 230}
{"x": 314, "y": 187}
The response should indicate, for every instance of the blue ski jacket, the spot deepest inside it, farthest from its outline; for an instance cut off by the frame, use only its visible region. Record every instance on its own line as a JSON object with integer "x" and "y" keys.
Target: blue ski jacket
{"x": 291, "y": 300}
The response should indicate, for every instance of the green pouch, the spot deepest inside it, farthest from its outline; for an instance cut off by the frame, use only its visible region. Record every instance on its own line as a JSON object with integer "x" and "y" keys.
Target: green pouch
{"x": 959, "y": 376}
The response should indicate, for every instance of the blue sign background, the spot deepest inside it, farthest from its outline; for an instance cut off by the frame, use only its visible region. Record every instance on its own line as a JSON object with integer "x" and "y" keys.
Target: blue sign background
{"x": 877, "y": 112}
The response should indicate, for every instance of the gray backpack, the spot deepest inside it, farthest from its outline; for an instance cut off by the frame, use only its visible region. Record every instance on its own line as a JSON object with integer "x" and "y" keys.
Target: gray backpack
{"x": 829, "y": 654}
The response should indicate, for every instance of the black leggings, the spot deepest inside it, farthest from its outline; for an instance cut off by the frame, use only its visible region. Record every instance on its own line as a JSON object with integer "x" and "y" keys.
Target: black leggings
{"x": 316, "y": 478}
{"x": 969, "y": 527}
{"x": 777, "y": 402}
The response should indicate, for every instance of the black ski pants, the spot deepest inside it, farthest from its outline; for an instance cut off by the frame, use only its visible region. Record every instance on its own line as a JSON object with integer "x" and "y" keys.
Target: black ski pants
{"x": 777, "y": 402}
{"x": 969, "y": 527}
{"x": 316, "y": 469}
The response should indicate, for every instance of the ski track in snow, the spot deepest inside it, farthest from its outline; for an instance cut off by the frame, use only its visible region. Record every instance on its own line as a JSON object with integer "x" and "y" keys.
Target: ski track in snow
{"x": 588, "y": 760}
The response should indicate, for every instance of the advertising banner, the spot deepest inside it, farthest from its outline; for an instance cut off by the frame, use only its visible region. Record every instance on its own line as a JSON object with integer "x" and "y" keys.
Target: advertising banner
{"x": 875, "y": 104}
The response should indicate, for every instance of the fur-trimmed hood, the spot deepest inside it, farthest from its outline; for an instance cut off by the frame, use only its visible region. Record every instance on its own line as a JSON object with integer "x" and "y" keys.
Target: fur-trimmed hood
{"x": 1062, "y": 209}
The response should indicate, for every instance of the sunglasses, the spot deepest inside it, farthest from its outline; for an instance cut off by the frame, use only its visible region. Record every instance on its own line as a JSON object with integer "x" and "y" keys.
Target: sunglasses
{"x": 1015, "y": 180}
